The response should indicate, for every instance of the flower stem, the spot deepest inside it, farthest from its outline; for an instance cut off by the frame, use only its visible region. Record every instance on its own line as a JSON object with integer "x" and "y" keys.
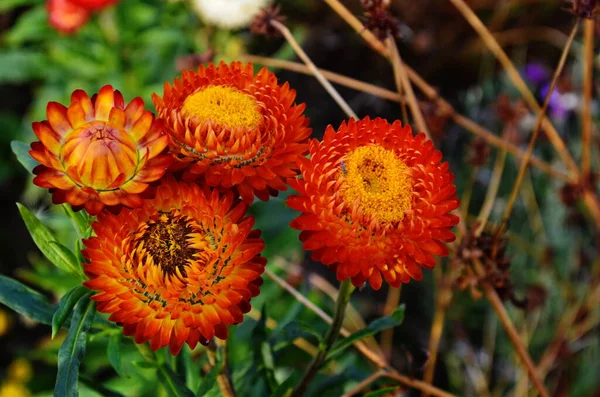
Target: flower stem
{"x": 346, "y": 289}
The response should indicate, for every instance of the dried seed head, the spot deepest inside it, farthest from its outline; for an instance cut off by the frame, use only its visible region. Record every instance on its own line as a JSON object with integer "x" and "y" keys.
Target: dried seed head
{"x": 583, "y": 8}
{"x": 480, "y": 152}
{"x": 490, "y": 250}
{"x": 380, "y": 21}
{"x": 261, "y": 25}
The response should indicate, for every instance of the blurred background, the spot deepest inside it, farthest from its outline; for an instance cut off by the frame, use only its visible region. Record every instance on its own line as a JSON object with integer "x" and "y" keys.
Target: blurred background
{"x": 137, "y": 45}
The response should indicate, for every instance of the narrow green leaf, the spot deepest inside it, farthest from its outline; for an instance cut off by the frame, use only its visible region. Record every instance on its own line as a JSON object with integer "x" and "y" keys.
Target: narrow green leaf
{"x": 25, "y": 301}
{"x": 80, "y": 219}
{"x": 210, "y": 380}
{"x": 65, "y": 306}
{"x": 298, "y": 329}
{"x": 21, "y": 151}
{"x": 144, "y": 364}
{"x": 262, "y": 353}
{"x": 393, "y": 320}
{"x": 73, "y": 348}
{"x": 173, "y": 384}
{"x": 113, "y": 351}
{"x": 43, "y": 238}
{"x": 67, "y": 258}
{"x": 381, "y": 392}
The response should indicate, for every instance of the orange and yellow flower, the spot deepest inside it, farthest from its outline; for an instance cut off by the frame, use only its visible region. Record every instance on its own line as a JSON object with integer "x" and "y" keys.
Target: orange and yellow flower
{"x": 179, "y": 269}
{"x": 232, "y": 128}
{"x": 375, "y": 202}
{"x": 99, "y": 152}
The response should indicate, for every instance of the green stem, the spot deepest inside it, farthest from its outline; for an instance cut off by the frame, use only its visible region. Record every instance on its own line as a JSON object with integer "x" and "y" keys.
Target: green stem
{"x": 343, "y": 298}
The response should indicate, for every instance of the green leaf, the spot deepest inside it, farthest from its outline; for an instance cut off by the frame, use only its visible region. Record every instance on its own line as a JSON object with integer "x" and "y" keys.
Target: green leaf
{"x": 262, "y": 352}
{"x": 73, "y": 348}
{"x": 113, "y": 351}
{"x": 25, "y": 301}
{"x": 172, "y": 383}
{"x": 143, "y": 364}
{"x": 393, "y": 320}
{"x": 17, "y": 66}
{"x": 44, "y": 239}
{"x": 381, "y": 392}
{"x": 298, "y": 329}
{"x": 65, "y": 306}
{"x": 68, "y": 259}
{"x": 21, "y": 151}
{"x": 210, "y": 380}
{"x": 8, "y": 5}
{"x": 32, "y": 25}
{"x": 80, "y": 219}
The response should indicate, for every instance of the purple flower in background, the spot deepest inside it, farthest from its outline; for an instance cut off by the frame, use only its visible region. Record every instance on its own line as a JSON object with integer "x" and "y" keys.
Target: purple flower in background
{"x": 536, "y": 73}
{"x": 561, "y": 104}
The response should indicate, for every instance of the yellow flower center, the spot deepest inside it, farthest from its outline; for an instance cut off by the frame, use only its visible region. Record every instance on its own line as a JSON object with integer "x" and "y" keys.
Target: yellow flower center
{"x": 223, "y": 106}
{"x": 379, "y": 181}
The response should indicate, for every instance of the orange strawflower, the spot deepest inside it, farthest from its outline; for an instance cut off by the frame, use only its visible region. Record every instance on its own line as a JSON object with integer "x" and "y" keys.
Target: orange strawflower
{"x": 179, "y": 269}
{"x": 375, "y": 201}
{"x": 99, "y": 152}
{"x": 232, "y": 128}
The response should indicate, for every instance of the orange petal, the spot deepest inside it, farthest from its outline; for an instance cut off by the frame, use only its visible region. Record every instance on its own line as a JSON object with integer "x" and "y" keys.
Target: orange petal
{"x": 105, "y": 101}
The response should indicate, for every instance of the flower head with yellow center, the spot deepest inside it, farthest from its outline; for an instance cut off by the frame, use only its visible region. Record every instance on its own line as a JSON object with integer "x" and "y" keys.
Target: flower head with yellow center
{"x": 234, "y": 129}
{"x": 98, "y": 151}
{"x": 375, "y": 202}
{"x": 180, "y": 269}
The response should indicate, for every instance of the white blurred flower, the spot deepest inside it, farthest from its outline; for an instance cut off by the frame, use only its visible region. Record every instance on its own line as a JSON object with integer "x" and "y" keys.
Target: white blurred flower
{"x": 229, "y": 14}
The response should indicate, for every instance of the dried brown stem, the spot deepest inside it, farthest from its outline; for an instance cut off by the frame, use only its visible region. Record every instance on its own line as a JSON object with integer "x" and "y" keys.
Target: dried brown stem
{"x": 305, "y": 58}
{"x": 444, "y": 296}
{"x": 510, "y": 330}
{"x": 387, "y": 335}
{"x": 365, "y": 383}
{"x": 588, "y": 75}
{"x": 403, "y": 85}
{"x": 536, "y": 131}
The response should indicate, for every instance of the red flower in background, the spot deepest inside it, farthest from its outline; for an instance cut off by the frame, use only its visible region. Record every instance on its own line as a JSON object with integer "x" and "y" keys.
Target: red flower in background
{"x": 68, "y": 16}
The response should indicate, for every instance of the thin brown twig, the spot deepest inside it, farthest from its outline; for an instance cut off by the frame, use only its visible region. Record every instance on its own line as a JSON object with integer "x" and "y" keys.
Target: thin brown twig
{"x": 403, "y": 84}
{"x": 444, "y": 296}
{"x": 331, "y": 76}
{"x": 357, "y": 25}
{"x": 510, "y": 330}
{"x": 463, "y": 121}
{"x": 515, "y": 77}
{"x": 309, "y": 63}
{"x": 536, "y": 131}
{"x": 588, "y": 75}
{"x": 418, "y": 384}
{"x": 364, "y": 383}
{"x": 492, "y": 192}
{"x": 387, "y": 335}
